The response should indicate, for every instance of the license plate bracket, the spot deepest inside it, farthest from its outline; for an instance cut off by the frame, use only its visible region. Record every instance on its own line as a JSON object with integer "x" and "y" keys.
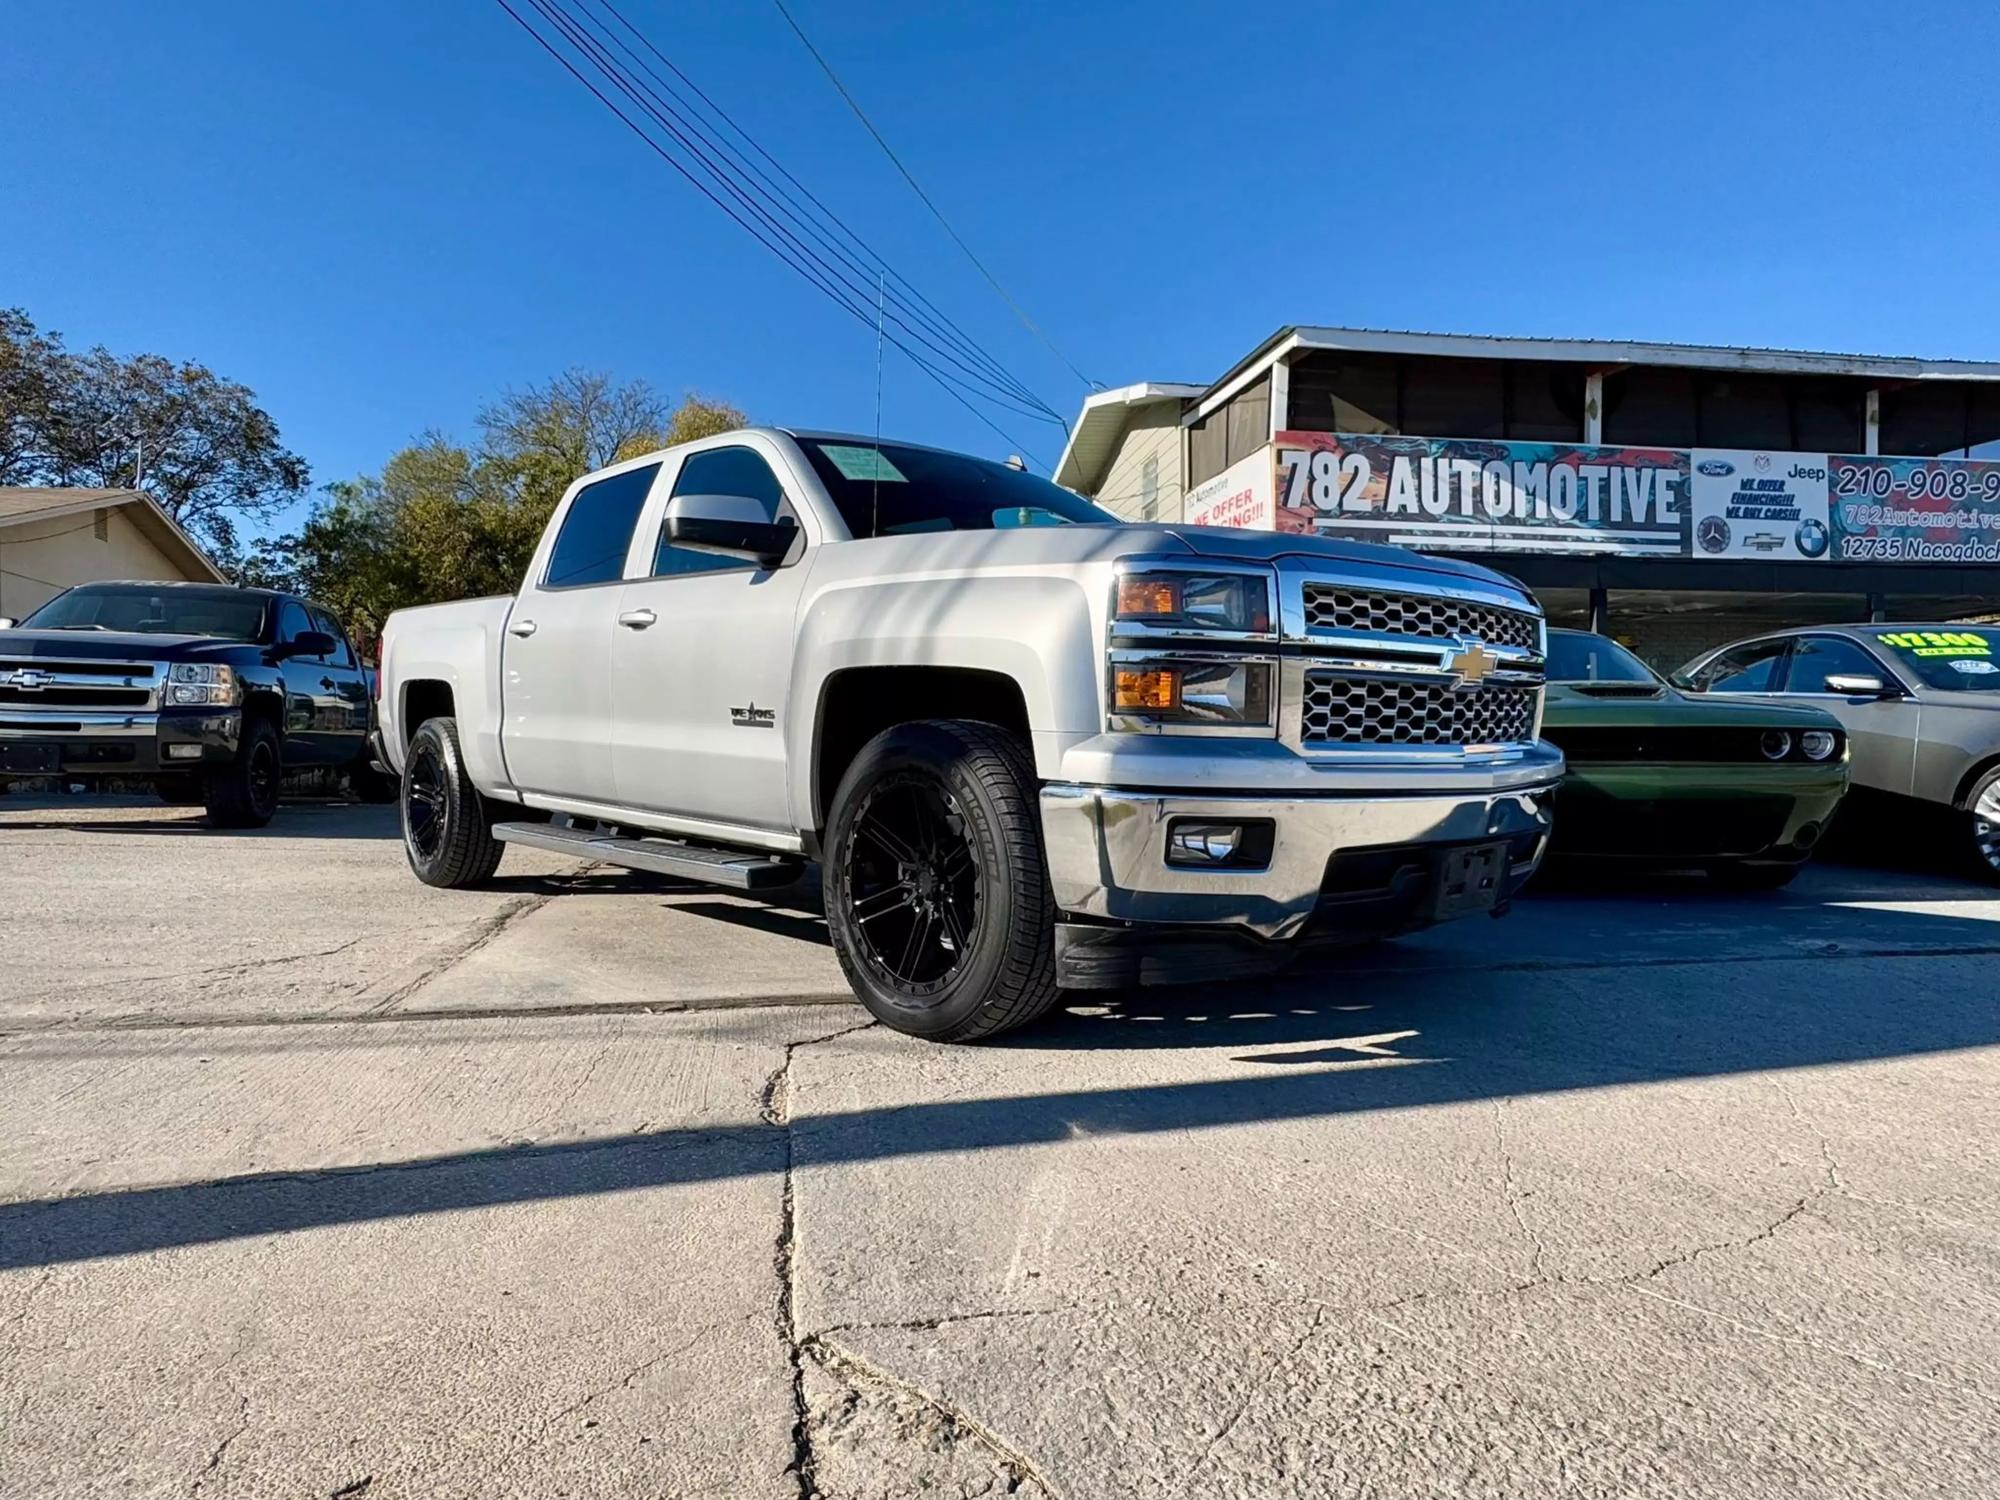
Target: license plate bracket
{"x": 1469, "y": 880}
{"x": 30, "y": 757}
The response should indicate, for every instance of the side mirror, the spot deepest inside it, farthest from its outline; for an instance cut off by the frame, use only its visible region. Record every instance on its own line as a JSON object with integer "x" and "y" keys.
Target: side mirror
{"x": 1682, "y": 681}
{"x": 1858, "y": 686}
{"x": 310, "y": 643}
{"x": 730, "y": 526}
{"x": 8, "y": 622}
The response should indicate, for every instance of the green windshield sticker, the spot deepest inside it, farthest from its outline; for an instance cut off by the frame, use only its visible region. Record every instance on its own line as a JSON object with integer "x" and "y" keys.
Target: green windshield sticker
{"x": 862, "y": 463}
{"x": 1939, "y": 642}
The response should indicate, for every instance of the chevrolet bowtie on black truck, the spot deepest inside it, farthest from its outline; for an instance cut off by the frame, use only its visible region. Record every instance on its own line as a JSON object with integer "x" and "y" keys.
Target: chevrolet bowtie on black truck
{"x": 210, "y": 693}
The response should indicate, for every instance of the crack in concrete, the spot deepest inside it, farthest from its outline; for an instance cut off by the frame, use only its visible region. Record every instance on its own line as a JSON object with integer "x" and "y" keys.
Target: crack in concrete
{"x": 774, "y": 1107}
{"x": 1256, "y": 1389}
{"x": 1510, "y": 1190}
{"x": 946, "y": 1320}
{"x": 215, "y": 1458}
{"x": 482, "y": 933}
{"x": 858, "y": 1373}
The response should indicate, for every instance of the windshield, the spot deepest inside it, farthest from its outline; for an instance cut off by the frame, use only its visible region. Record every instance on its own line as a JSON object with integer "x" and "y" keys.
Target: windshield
{"x": 892, "y": 490}
{"x": 1957, "y": 660}
{"x": 1577, "y": 657}
{"x": 149, "y": 609}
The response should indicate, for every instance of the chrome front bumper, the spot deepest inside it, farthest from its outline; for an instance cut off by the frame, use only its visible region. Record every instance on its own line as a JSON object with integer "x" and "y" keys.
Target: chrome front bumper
{"x": 1107, "y": 854}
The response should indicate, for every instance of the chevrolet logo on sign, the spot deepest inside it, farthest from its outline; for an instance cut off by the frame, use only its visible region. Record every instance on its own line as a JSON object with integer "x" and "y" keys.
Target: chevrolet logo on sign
{"x": 1472, "y": 662}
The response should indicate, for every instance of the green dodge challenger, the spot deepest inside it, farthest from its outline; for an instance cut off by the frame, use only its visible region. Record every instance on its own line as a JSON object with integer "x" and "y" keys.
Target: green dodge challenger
{"x": 1742, "y": 790}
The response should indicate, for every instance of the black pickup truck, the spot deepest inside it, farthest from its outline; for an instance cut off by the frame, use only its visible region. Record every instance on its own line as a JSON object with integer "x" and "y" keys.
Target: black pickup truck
{"x": 211, "y": 693}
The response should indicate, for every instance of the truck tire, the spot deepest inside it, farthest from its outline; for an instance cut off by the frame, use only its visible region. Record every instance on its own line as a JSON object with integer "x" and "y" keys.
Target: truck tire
{"x": 937, "y": 893}
{"x": 244, "y": 793}
{"x": 1981, "y": 832}
{"x": 179, "y": 790}
{"x": 447, "y": 826}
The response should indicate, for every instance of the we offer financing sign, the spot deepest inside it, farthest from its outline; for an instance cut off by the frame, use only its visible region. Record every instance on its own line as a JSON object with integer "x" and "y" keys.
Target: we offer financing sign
{"x": 1755, "y": 504}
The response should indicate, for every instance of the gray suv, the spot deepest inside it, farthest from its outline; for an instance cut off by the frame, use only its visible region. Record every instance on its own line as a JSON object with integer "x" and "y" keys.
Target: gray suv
{"x": 1921, "y": 704}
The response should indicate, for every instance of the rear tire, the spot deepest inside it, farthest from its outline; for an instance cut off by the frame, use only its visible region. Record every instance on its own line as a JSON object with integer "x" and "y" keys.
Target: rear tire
{"x": 1754, "y": 877}
{"x": 447, "y": 825}
{"x": 937, "y": 893}
{"x": 1980, "y": 821}
{"x": 244, "y": 793}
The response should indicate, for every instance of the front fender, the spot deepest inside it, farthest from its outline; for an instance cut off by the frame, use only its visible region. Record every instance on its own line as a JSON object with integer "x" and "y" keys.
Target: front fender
{"x": 1037, "y": 630}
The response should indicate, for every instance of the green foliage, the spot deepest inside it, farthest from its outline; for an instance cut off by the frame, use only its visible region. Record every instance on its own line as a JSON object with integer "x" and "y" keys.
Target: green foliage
{"x": 196, "y": 442}
{"x": 443, "y": 521}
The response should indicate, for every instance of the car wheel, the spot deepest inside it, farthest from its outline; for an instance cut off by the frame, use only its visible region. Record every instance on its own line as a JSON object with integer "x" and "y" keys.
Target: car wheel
{"x": 447, "y": 826}
{"x": 937, "y": 894}
{"x": 373, "y": 786}
{"x": 1982, "y": 827}
{"x": 244, "y": 793}
{"x": 1744, "y": 877}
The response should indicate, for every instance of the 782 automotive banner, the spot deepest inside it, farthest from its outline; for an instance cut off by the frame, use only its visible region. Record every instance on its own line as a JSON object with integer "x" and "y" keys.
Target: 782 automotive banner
{"x": 1915, "y": 509}
{"x": 1456, "y": 494}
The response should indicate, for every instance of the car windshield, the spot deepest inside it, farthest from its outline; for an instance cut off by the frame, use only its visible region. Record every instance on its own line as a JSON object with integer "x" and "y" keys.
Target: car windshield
{"x": 1578, "y": 657}
{"x": 893, "y": 490}
{"x": 1958, "y": 659}
{"x": 148, "y": 609}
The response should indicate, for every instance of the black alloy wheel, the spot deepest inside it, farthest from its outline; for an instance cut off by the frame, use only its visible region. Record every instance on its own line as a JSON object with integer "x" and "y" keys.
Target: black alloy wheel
{"x": 244, "y": 793}
{"x": 937, "y": 891}
{"x": 915, "y": 882}
{"x": 447, "y": 824}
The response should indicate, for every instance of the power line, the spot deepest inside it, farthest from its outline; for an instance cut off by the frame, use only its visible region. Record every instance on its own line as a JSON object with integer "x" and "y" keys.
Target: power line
{"x": 917, "y": 188}
{"x": 752, "y": 211}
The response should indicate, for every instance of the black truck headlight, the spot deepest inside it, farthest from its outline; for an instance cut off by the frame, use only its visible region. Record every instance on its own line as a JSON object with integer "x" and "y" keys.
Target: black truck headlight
{"x": 193, "y": 684}
{"x": 1238, "y": 603}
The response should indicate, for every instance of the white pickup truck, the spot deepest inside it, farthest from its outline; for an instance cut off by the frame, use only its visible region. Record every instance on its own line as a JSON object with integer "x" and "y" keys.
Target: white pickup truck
{"x": 1031, "y": 748}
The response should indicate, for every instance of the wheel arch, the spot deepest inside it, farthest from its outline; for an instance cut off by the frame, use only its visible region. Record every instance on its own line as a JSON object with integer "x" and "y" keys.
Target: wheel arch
{"x": 1979, "y": 770}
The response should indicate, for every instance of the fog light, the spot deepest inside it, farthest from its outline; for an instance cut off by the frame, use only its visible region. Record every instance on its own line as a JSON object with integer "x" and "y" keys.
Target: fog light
{"x": 1776, "y": 744}
{"x": 183, "y": 752}
{"x": 1203, "y": 843}
{"x": 1817, "y": 743}
{"x": 1156, "y": 691}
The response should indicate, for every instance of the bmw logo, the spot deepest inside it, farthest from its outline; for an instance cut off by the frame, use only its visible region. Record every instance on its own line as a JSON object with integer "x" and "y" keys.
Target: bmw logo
{"x": 1712, "y": 532}
{"x": 1810, "y": 538}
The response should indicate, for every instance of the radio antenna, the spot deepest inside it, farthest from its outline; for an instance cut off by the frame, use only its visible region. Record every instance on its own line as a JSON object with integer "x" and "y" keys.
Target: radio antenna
{"x": 875, "y": 494}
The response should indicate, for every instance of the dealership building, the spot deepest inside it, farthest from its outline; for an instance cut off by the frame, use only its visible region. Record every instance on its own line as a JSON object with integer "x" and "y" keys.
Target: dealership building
{"x": 1674, "y": 495}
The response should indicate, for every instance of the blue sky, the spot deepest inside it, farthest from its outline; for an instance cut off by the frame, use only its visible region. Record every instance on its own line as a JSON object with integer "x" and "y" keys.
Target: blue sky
{"x": 380, "y": 214}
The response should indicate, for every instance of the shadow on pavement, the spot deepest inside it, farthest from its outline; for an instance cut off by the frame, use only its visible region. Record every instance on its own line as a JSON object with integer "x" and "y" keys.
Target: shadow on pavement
{"x": 1382, "y": 1039}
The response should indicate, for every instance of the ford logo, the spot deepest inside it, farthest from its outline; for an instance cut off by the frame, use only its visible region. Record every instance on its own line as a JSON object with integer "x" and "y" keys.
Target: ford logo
{"x": 1715, "y": 468}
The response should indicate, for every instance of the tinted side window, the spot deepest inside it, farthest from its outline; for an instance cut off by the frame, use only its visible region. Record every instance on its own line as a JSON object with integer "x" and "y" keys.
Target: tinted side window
{"x": 342, "y": 655}
{"x": 293, "y": 621}
{"x": 1743, "y": 669}
{"x": 719, "y": 471}
{"x": 1822, "y": 656}
{"x": 597, "y": 530}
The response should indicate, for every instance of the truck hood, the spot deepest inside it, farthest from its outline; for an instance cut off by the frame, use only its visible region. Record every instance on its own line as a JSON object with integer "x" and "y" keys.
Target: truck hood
{"x": 113, "y": 645}
{"x": 1268, "y": 546}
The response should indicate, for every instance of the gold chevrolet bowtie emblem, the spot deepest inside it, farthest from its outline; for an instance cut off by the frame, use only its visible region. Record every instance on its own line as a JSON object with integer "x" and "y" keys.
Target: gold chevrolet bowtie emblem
{"x": 1473, "y": 663}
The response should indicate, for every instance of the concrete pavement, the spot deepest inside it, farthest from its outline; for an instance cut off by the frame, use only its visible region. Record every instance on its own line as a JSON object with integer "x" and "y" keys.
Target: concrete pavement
{"x": 315, "y": 1182}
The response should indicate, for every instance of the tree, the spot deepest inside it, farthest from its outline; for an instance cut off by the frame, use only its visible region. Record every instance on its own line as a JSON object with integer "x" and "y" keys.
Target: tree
{"x": 196, "y": 442}
{"x": 443, "y": 521}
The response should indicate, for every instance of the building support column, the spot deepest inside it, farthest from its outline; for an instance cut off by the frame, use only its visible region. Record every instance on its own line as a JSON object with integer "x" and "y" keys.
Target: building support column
{"x": 1878, "y": 608}
{"x": 1600, "y": 610}
{"x": 1871, "y": 423}
{"x": 1593, "y": 407}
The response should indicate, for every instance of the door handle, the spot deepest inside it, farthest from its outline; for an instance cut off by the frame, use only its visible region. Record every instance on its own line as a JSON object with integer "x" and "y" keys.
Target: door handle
{"x": 637, "y": 619}
{"x": 522, "y": 628}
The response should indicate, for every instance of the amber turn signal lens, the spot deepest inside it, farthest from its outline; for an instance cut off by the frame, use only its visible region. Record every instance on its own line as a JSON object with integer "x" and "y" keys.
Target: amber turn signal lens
{"x": 1145, "y": 692}
{"x": 1140, "y": 597}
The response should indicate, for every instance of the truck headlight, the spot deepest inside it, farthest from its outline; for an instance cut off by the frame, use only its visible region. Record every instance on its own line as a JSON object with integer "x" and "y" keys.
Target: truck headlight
{"x": 1148, "y": 690}
{"x": 1238, "y": 603}
{"x": 195, "y": 684}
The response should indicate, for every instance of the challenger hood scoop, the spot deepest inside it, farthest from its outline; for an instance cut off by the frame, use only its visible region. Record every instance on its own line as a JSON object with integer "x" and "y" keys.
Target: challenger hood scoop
{"x": 1616, "y": 689}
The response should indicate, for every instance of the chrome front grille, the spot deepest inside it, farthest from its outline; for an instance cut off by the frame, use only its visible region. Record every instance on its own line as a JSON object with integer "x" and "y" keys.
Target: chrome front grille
{"x": 1341, "y": 710}
{"x": 30, "y": 683}
{"x": 1331, "y": 606}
